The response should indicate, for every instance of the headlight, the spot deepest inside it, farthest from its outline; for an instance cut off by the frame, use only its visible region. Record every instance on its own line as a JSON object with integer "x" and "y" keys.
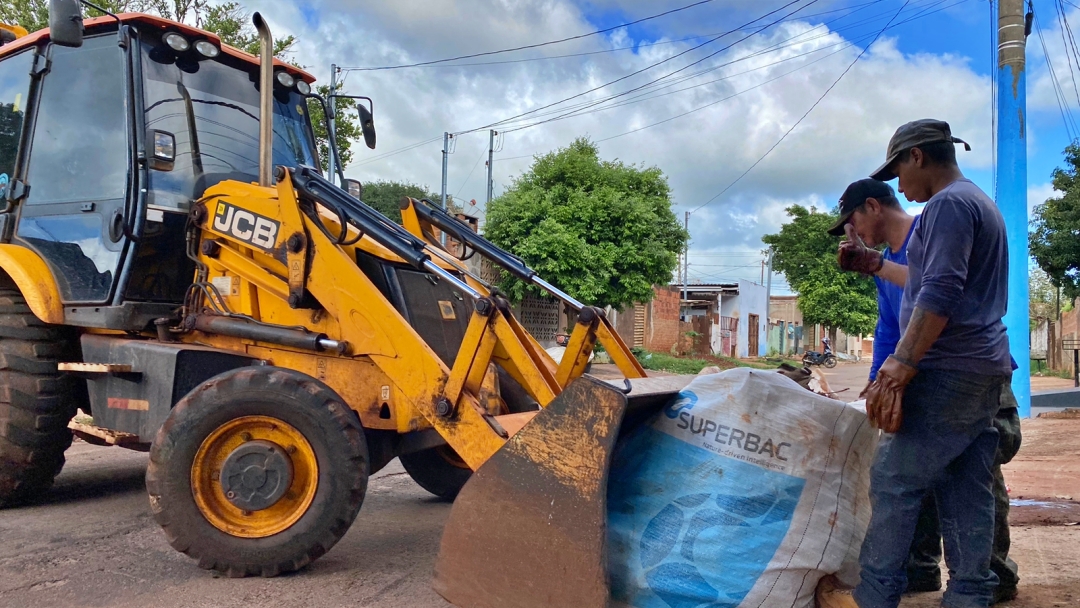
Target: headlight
{"x": 207, "y": 49}
{"x": 285, "y": 80}
{"x": 303, "y": 87}
{"x": 176, "y": 42}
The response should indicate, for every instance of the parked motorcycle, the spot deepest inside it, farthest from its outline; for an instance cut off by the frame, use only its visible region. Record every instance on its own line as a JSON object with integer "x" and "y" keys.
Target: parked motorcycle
{"x": 826, "y": 357}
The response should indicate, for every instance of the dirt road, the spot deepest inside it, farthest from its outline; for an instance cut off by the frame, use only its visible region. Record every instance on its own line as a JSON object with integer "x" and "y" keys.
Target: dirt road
{"x": 94, "y": 543}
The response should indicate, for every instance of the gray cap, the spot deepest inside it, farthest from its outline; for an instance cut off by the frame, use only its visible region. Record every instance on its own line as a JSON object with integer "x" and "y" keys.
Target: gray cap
{"x": 912, "y": 135}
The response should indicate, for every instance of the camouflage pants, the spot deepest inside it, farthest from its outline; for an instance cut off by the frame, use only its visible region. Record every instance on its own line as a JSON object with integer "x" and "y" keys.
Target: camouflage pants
{"x": 925, "y": 552}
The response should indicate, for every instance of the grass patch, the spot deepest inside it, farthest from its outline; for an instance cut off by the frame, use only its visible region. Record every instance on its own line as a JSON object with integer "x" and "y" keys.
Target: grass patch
{"x": 1038, "y": 369}
{"x": 689, "y": 366}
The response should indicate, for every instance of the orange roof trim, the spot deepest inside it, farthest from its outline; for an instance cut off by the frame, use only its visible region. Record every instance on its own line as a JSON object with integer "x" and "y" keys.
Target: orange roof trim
{"x": 162, "y": 24}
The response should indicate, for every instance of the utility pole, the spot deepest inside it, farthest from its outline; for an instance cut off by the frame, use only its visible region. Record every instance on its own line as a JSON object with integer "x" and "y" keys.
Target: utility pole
{"x": 768, "y": 288}
{"x": 686, "y": 258}
{"x": 1011, "y": 184}
{"x": 445, "y": 156}
{"x": 331, "y": 122}
{"x": 491, "y": 157}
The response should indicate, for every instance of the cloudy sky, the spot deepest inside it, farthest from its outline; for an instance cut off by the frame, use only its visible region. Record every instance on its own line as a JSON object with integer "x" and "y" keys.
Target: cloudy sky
{"x": 734, "y": 76}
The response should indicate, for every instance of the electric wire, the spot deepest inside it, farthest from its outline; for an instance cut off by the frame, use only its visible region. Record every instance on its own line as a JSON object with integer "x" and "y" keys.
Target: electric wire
{"x": 669, "y": 74}
{"x": 624, "y": 48}
{"x": 1074, "y": 56}
{"x": 429, "y": 141}
{"x": 530, "y": 46}
{"x": 807, "y": 113}
{"x": 927, "y": 10}
{"x": 1059, "y": 93}
{"x": 844, "y": 44}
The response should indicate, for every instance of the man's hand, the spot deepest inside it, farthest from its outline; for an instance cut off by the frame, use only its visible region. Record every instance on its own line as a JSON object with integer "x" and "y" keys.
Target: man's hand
{"x": 884, "y": 396}
{"x": 862, "y": 393}
{"x": 855, "y": 256}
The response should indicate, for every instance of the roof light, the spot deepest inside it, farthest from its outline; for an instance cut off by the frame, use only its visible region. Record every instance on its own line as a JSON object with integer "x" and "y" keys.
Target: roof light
{"x": 207, "y": 49}
{"x": 176, "y": 42}
{"x": 303, "y": 87}
{"x": 285, "y": 80}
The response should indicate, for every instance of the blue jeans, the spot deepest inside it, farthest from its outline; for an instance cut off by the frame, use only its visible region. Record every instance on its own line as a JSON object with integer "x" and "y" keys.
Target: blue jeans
{"x": 946, "y": 444}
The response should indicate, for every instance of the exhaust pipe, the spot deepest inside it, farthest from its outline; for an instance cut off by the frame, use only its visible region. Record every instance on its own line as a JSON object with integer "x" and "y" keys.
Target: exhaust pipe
{"x": 266, "y": 101}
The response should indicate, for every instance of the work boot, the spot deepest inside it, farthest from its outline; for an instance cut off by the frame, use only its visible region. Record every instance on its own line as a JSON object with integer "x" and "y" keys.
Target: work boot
{"x": 831, "y": 593}
{"x": 923, "y": 585}
{"x": 1003, "y": 594}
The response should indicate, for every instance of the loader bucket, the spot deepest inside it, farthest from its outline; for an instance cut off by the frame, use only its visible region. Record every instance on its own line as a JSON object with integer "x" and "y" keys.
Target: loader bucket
{"x": 529, "y": 529}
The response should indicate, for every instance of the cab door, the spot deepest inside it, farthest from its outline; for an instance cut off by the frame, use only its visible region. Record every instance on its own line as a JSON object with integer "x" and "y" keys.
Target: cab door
{"x": 77, "y": 176}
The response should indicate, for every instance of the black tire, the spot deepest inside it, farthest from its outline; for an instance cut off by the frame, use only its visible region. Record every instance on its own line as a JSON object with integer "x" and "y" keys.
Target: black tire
{"x": 440, "y": 470}
{"x": 333, "y": 432}
{"x": 36, "y": 400}
{"x": 830, "y": 362}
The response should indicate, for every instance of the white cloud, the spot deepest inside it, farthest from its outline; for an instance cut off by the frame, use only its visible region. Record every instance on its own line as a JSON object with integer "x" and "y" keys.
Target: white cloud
{"x": 1038, "y": 193}
{"x": 843, "y": 139}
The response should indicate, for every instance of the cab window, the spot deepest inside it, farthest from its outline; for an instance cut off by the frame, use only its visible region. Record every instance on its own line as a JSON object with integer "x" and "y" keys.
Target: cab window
{"x": 14, "y": 88}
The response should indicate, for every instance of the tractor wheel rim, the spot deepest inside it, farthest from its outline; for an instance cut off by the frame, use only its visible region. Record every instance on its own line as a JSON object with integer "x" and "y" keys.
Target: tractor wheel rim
{"x": 254, "y": 476}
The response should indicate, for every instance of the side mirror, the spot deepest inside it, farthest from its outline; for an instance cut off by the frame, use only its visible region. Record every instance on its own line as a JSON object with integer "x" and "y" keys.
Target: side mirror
{"x": 65, "y": 22}
{"x": 367, "y": 125}
{"x": 354, "y": 187}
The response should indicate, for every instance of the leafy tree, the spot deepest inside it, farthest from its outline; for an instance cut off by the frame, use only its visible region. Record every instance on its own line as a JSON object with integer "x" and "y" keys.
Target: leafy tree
{"x": 385, "y": 196}
{"x": 600, "y": 230}
{"x": 1055, "y": 223}
{"x": 805, "y": 254}
{"x": 1043, "y": 298}
{"x": 346, "y": 127}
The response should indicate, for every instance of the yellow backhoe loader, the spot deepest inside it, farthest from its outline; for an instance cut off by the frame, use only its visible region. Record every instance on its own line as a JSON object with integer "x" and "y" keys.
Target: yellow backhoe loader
{"x": 173, "y": 265}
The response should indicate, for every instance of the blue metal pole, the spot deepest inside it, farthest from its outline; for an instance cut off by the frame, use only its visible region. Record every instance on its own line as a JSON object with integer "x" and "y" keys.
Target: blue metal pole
{"x": 1011, "y": 186}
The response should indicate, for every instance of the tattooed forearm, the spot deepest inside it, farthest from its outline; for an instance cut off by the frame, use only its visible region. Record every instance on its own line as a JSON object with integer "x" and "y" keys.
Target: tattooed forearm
{"x": 922, "y": 330}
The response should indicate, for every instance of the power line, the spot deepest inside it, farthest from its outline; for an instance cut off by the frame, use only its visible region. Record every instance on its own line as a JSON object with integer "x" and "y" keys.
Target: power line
{"x": 1074, "y": 56}
{"x": 1059, "y": 93}
{"x": 669, "y": 74}
{"x": 649, "y": 67}
{"x": 625, "y": 48}
{"x": 433, "y": 140}
{"x": 807, "y": 113}
{"x": 578, "y": 108}
{"x": 530, "y": 46}
{"x": 844, "y": 44}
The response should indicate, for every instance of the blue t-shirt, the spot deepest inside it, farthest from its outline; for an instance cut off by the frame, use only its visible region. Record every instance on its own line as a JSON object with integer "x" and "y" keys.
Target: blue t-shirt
{"x": 958, "y": 267}
{"x": 889, "y": 295}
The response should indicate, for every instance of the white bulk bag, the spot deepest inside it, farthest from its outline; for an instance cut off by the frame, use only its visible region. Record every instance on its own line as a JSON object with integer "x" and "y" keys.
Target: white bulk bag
{"x": 743, "y": 492}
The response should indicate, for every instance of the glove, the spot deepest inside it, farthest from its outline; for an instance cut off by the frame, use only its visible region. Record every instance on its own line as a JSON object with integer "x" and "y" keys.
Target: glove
{"x": 884, "y": 396}
{"x": 862, "y": 393}
{"x": 855, "y": 256}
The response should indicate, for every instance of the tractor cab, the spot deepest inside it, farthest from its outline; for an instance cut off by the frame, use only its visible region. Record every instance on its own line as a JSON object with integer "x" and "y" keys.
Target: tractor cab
{"x": 105, "y": 146}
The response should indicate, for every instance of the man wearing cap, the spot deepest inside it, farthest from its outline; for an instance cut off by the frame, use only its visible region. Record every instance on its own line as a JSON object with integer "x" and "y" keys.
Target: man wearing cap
{"x": 870, "y": 215}
{"x": 935, "y": 397}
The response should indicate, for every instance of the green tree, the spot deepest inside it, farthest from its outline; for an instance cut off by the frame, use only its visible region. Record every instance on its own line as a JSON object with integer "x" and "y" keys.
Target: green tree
{"x": 600, "y": 230}
{"x": 805, "y": 253}
{"x": 1055, "y": 223}
{"x": 346, "y": 127}
{"x": 1043, "y": 298}
{"x": 385, "y": 196}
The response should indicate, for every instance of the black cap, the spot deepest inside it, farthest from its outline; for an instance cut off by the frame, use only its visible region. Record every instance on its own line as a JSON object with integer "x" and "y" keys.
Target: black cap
{"x": 912, "y": 135}
{"x": 855, "y": 196}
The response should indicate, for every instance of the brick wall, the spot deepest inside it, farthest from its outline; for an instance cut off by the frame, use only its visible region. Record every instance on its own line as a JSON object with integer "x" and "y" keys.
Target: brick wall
{"x": 662, "y": 330}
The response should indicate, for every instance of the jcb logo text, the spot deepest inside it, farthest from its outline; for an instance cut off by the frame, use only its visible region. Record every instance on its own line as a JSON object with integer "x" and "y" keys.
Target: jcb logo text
{"x": 248, "y": 227}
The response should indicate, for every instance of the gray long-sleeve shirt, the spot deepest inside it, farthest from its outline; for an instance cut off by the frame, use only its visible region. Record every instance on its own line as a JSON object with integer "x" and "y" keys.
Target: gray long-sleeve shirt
{"x": 958, "y": 267}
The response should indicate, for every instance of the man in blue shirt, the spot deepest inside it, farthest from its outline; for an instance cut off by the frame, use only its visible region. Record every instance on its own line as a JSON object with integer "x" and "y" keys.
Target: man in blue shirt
{"x": 871, "y": 216}
{"x": 936, "y": 396}
{"x": 870, "y": 209}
